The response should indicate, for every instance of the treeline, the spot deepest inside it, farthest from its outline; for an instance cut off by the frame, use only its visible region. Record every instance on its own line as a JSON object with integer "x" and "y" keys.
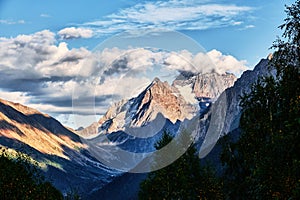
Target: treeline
{"x": 22, "y": 179}
{"x": 264, "y": 162}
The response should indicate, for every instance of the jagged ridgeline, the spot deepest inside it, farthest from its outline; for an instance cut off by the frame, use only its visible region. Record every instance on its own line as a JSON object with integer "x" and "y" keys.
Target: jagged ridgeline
{"x": 177, "y": 101}
{"x": 67, "y": 161}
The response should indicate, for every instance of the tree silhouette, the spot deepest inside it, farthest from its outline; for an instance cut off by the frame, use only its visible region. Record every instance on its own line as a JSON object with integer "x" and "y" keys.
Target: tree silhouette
{"x": 264, "y": 163}
{"x": 183, "y": 179}
{"x": 19, "y": 179}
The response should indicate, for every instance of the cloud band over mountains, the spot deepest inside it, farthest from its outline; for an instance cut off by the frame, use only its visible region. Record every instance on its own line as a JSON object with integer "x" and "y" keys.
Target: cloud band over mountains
{"x": 41, "y": 71}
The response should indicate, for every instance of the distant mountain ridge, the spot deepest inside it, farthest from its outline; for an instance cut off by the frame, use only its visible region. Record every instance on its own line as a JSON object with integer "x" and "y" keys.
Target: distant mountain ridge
{"x": 243, "y": 86}
{"x": 36, "y": 129}
{"x": 65, "y": 159}
{"x": 208, "y": 85}
{"x": 69, "y": 162}
{"x": 158, "y": 97}
{"x": 178, "y": 101}
{"x": 231, "y": 95}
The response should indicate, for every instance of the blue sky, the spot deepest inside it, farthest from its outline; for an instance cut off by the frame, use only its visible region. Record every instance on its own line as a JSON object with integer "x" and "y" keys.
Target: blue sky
{"x": 43, "y": 43}
{"x": 248, "y": 40}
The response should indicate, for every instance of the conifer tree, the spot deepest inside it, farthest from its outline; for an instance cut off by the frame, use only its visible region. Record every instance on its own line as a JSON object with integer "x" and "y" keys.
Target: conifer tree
{"x": 19, "y": 179}
{"x": 264, "y": 163}
{"x": 186, "y": 178}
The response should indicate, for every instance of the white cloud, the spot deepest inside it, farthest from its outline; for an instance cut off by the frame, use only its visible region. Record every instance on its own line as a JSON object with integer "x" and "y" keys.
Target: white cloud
{"x": 248, "y": 27}
{"x": 72, "y": 120}
{"x": 162, "y": 12}
{"x": 49, "y": 108}
{"x": 127, "y": 87}
{"x": 37, "y": 56}
{"x": 72, "y": 32}
{"x": 205, "y": 62}
{"x": 44, "y": 15}
{"x": 172, "y": 14}
{"x": 227, "y": 63}
{"x": 17, "y": 97}
{"x": 39, "y": 71}
{"x": 237, "y": 23}
{"x": 11, "y": 22}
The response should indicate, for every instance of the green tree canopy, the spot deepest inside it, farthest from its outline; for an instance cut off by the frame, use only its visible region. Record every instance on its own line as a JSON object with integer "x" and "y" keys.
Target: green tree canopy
{"x": 265, "y": 162}
{"x": 183, "y": 179}
{"x": 19, "y": 179}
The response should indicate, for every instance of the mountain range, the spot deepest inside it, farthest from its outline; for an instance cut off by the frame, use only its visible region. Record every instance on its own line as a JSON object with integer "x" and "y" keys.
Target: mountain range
{"x": 174, "y": 102}
{"x": 81, "y": 159}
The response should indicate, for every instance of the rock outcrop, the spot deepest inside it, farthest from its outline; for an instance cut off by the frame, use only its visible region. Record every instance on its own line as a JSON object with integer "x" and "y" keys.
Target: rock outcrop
{"x": 178, "y": 101}
{"x": 209, "y": 85}
{"x": 242, "y": 86}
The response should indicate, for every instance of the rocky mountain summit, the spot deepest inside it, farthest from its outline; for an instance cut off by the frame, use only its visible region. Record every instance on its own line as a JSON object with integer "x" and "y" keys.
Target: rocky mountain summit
{"x": 176, "y": 102}
{"x": 158, "y": 97}
{"x": 68, "y": 160}
{"x": 228, "y": 100}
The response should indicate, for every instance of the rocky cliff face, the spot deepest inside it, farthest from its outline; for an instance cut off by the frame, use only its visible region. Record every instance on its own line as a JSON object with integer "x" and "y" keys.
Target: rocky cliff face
{"x": 176, "y": 102}
{"x": 209, "y": 85}
{"x": 68, "y": 161}
{"x": 225, "y": 112}
{"x": 158, "y": 97}
{"x": 227, "y": 102}
{"x": 241, "y": 86}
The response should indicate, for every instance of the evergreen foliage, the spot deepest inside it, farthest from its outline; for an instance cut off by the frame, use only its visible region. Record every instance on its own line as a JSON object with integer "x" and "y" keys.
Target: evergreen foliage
{"x": 183, "y": 179}
{"x": 265, "y": 162}
{"x": 19, "y": 179}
